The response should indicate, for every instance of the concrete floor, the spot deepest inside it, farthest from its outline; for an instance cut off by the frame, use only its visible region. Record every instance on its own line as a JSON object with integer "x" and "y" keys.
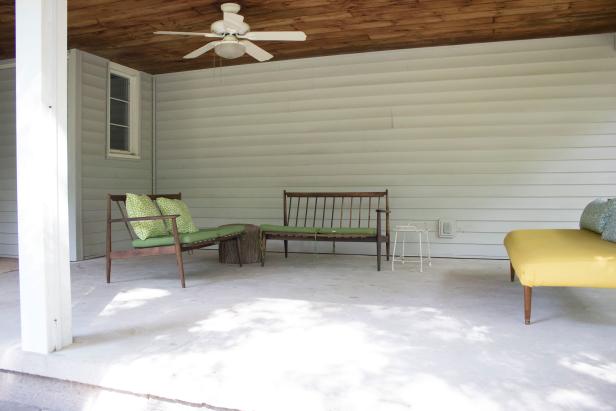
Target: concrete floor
{"x": 329, "y": 333}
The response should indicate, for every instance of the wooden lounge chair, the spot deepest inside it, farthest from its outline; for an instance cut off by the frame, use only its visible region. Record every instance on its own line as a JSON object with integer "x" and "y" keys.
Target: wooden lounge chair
{"x": 170, "y": 244}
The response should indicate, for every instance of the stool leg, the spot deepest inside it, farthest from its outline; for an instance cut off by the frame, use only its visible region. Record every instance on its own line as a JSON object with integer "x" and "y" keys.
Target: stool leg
{"x": 402, "y": 256}
{"x": 429, "y": 248}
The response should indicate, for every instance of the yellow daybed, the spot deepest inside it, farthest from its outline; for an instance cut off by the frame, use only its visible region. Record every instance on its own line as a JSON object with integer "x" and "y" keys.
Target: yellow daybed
{"x": 560, "y": 258}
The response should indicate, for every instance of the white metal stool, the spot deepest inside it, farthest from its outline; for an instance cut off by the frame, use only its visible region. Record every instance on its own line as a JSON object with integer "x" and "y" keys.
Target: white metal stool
{"x": 421, "y": 233}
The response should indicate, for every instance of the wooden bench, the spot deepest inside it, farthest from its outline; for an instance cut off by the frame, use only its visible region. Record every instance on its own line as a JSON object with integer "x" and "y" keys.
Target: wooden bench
{"x": 171, "y": 244}
{"x": 331, "y": 216}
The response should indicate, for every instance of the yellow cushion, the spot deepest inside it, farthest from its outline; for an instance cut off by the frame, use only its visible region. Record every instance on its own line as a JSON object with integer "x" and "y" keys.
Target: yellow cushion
{"x": 562, "y": 258}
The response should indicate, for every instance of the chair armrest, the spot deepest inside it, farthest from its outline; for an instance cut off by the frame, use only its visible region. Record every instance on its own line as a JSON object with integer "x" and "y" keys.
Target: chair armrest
{"x": 150, "y": 218}
{"x": 382, "y": 210}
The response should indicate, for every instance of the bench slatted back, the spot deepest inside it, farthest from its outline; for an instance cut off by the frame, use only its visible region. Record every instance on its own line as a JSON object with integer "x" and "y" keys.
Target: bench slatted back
{"x": 120, "y": 201}
{"x": 334, "y": 209}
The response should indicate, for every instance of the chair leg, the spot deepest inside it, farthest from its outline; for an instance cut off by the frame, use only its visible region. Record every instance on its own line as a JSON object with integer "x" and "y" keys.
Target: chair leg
{"x": 378, "y": 254}
{"x": 238, "y": 244}
{"x": 180, "y": 261}
{"x": 512, "y": 271}
{"x": 528, "y": 295}
{"x": 286, "y": 248}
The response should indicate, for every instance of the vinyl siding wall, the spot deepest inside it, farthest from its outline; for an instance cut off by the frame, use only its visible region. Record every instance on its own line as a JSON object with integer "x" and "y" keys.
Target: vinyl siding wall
{"x": 8, "y": 164}
{"x": 100, "y": 175}
{"x": 496, "y": 136}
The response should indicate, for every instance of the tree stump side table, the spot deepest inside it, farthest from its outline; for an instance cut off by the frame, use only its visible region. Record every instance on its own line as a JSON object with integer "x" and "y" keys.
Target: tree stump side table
{"x": 251, "y": 247}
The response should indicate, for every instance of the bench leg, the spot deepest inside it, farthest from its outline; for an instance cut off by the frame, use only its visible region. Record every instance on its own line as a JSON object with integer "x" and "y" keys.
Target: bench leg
{"x": 263, "y": 250}
{"x": 108, "y": 268}
{"x": 238, "y": 244}
{"x": 512, "y": 271}
{"x": 387, "y": 248}
{"x": 378, "y": 254}
{"x": 286, "y": 248}
{"x": 528, "y": 295}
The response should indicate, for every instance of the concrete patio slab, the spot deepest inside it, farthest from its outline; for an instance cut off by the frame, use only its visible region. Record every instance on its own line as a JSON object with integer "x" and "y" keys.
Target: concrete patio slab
{"x": 320, "y": 332}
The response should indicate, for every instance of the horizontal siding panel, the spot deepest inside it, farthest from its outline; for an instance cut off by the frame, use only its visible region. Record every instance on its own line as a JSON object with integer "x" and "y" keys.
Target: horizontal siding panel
{"x": 201, "y": 95}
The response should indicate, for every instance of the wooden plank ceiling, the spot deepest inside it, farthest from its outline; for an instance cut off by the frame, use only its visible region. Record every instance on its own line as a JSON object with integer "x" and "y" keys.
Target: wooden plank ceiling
{"x": 121, "y": 30}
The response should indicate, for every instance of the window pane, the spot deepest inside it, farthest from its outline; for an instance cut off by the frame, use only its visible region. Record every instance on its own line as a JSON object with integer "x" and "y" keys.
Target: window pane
{"x": 119, "y": 87}
{"x": 119, "y": 112}
{"x": 118, "y": 138}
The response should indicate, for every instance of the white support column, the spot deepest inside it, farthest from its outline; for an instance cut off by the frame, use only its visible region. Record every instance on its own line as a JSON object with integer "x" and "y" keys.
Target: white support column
{"x": 42, "y": 197}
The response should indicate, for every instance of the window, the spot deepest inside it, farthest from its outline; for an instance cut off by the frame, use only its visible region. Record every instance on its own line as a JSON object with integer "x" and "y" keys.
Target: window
{"x": 122, "y": 112}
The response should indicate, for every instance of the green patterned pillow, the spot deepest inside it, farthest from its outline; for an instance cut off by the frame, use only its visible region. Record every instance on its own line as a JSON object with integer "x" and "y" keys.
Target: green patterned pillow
{"x": 143, "y": 206}
{"x": 184, "y": 221}
{"x": 594, "y": 217}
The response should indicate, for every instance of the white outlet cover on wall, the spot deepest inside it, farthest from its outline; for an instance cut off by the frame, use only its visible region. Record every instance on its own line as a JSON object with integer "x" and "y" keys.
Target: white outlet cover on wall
{"x": 446, "y": 228}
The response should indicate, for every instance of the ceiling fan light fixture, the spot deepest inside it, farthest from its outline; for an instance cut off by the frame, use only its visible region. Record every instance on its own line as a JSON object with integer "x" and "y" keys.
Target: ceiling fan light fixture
{"x": 230, "y": 49}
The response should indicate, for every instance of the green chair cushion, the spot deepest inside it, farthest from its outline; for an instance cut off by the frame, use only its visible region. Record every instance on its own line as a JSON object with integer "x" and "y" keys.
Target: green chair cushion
{"x": 143, "y": 206}
{"x": 230, "y": 230}
{"x": 153, "y": 241}
{"x": 207, "y": 234}
{"x": 184, "y": 222}
{"x": 349, "y": 230}
{"x": 271, "y": 228}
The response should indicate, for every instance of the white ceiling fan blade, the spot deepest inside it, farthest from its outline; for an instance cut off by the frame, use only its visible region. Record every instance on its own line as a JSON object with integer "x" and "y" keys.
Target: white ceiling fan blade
{"x": 187, "y": 33}
{"x": 275, "y": 35}
{"x": 256, "y": 51}
{"x": 201, "y": 50}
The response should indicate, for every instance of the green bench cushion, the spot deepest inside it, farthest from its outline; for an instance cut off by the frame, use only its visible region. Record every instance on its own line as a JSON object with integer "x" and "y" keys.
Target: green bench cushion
{"x": 206, "y": 234}
{"x": 349, "y": 230}
{"x": 270, "y": 228}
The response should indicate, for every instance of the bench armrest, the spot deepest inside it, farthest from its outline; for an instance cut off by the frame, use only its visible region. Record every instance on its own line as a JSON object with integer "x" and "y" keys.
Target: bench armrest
{"x": 150, "y": 218}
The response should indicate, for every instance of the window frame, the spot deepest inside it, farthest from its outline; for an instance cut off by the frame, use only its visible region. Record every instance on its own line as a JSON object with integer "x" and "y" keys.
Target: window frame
{"x": 134, "y": 108}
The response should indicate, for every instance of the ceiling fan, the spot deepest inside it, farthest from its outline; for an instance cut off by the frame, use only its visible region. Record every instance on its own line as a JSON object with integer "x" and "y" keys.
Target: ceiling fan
{"x": 235, "y": 36}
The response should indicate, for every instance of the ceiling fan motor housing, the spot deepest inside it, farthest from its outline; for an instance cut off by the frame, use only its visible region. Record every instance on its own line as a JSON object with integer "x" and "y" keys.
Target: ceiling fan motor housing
{"x": 220, "y": 27}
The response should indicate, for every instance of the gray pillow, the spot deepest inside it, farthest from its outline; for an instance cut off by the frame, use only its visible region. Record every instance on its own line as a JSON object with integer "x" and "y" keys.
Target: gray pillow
{"x": 595, "y": 215}
{"x": 609, "y": 231}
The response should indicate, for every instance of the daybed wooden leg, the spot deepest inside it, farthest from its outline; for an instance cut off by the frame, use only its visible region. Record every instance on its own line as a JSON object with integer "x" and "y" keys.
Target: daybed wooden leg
{"x": 238, "y": 244}
{"x": 286, "y": 248}
{"x": 512, "y": 271}
{"x": 528, "y": 295}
